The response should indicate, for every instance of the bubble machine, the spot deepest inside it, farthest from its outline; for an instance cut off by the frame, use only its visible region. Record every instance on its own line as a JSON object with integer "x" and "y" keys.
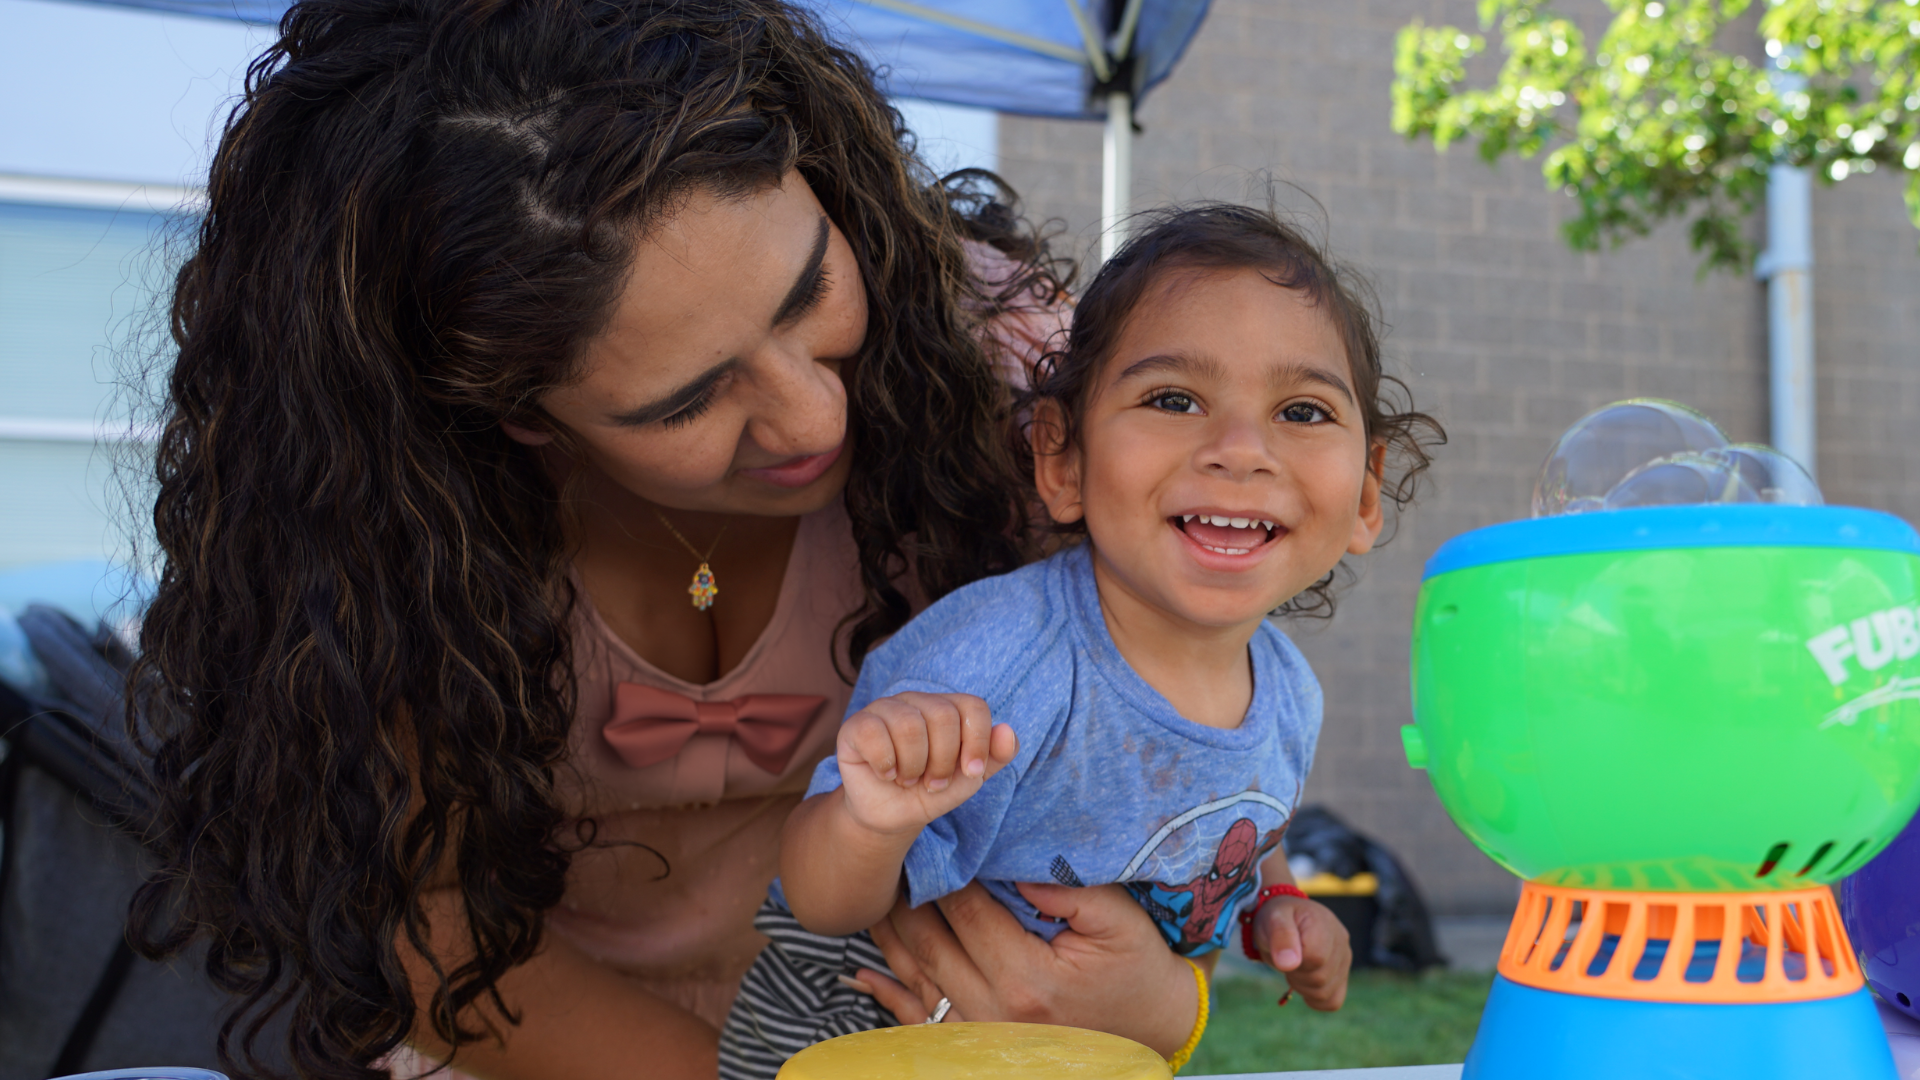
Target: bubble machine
{"x": 1678, "y": 724}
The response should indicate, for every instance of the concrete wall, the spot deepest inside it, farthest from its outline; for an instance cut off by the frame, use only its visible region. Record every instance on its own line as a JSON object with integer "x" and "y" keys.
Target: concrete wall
{"x": 1499, "y": 329}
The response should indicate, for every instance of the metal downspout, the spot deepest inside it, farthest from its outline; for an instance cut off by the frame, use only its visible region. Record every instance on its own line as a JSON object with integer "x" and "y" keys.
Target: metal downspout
{"x": 1787, "y": 268}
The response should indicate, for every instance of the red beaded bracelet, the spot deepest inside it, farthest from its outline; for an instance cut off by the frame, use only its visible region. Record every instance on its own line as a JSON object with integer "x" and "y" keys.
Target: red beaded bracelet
{"x": 1248, "y": 913}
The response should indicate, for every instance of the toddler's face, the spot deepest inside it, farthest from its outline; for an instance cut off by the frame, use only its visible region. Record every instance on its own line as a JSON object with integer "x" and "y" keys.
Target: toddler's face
{"x": 1222, "y": 466}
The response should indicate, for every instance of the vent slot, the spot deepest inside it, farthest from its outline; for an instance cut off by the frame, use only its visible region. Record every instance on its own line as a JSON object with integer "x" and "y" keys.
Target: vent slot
{"x": 1846, "y": 861}
{"x": 1706, "y": 956}
{"x": 1818, "y": 854}
{"x": 1774, "y": 855}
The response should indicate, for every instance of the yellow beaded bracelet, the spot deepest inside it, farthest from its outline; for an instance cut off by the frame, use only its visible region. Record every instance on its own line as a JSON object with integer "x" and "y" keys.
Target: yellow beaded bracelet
{"x": 1179, "y": 1059}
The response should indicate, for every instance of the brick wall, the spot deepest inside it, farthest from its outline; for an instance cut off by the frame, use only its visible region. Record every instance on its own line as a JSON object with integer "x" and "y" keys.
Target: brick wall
{"x": 1499, "y": 329}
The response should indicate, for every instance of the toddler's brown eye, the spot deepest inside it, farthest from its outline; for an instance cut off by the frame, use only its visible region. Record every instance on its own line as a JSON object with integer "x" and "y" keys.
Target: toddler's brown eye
{"x": 1303, "y": 412}
{"x": 1174, "y": 401}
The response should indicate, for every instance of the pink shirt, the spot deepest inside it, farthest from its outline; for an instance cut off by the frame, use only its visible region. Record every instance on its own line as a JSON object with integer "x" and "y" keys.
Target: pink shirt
{"x": 683, "y": 851}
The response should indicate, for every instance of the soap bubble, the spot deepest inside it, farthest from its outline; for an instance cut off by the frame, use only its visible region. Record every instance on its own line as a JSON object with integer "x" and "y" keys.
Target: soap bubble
{"x": 1773, "y": 476}
{"x": 1743, "y": 473}
{"x": 1604, "y": 446}
{"x": 1712, "y": 476}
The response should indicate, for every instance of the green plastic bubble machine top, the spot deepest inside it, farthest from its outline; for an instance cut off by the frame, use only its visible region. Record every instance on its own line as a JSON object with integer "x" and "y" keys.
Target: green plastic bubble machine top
{"x": 1697, "y": 719}
{"x": 1714, "y": 697}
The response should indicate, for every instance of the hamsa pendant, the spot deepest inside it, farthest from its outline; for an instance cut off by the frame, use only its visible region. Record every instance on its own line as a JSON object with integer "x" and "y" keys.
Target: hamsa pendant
{"x": 703, "y": 590}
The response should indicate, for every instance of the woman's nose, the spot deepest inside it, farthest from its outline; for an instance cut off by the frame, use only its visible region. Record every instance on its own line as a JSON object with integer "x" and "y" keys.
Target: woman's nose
{"x": 800, "y": 405}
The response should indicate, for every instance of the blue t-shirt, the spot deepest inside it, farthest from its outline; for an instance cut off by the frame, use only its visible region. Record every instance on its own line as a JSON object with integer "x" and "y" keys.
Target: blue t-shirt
{"x": 1110, "y": 784}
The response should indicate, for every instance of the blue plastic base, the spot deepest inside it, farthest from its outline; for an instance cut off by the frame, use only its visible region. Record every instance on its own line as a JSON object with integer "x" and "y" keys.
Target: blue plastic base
{"x": 1543, "y": 1035}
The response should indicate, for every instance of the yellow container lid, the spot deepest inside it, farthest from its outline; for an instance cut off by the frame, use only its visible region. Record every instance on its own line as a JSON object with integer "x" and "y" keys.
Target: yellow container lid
{"x": 969, "y": 1051}
{"x": 1325, "y": 884}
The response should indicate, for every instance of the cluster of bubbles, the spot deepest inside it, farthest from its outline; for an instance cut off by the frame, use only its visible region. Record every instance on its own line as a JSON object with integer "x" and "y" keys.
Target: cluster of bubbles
{"x": 1648, "y": 452}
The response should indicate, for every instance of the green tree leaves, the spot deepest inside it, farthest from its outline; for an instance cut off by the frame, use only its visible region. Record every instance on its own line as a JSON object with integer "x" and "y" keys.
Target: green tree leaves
{"x": 1662, "y": 119}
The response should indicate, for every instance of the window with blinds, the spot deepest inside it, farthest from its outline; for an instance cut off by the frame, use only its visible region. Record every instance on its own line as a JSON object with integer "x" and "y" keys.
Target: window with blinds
{"x": 80, "y": 290}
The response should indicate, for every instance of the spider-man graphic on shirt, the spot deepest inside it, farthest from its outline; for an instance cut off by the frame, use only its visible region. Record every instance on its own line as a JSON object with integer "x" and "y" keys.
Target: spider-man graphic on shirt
{"x": 1189, "y": 914}
{"x": 1196, "y": 916}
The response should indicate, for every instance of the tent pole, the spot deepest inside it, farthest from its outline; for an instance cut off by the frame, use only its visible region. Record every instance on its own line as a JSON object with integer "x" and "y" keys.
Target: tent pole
{"x": 1789, "y": 274}
{"x": 1787, "y": 268}
{"x": 1116, "y": 173}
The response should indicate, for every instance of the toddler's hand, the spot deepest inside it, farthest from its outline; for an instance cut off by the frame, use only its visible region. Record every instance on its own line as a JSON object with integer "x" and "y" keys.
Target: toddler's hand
{"x": 907, "y": 759}
{"x": 1307, "y": 943}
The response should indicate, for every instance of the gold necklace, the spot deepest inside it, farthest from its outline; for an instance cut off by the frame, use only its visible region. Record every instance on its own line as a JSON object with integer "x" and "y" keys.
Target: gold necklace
{"x": 703, "y": 589}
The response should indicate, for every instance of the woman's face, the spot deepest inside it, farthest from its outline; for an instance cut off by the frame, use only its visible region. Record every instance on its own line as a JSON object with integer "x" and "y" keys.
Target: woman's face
{"x": 715, "y": 386}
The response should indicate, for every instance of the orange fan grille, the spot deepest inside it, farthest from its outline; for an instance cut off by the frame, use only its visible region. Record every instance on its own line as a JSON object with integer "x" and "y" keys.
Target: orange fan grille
{"x": 1719, "y": 948}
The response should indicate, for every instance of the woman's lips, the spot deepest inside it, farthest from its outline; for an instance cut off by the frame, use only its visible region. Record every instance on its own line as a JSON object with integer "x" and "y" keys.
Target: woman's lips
{"x": 797, "y": 472}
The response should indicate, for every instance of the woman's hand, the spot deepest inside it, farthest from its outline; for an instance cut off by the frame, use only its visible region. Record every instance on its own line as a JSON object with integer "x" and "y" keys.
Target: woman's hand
{"x": 1307, "y": 943}
{"x": 1109, "y": 971}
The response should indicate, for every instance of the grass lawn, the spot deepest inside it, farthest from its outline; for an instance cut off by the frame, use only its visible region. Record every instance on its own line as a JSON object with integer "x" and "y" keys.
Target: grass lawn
{"x": 1389, "y": 1019}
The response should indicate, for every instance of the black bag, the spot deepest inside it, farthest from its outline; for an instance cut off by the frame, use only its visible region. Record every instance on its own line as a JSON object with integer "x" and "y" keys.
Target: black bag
{"x": 1395, "y": 930}
{"x": 73, "y": 996}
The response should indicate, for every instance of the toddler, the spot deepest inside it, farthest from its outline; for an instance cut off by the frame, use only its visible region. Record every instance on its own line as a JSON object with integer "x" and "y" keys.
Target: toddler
{"x": 1123, "y": 711}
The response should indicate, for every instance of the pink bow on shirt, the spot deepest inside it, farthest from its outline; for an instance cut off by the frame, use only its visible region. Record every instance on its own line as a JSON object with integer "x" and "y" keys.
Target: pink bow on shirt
{"x": 650, "y": 725}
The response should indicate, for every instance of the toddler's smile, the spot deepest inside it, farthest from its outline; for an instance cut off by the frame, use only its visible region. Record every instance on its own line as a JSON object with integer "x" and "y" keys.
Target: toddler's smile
{"x": 1227, "y": 533}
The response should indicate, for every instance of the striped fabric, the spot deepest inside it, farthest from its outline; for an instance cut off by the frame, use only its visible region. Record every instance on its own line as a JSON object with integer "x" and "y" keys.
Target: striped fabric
{"x": 792, "y": 996}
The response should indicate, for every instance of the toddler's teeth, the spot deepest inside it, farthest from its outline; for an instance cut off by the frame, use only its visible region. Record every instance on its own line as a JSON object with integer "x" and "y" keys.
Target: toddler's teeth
{"x": 1184, "y": 518}
{"x": 1238, "y": 523}
{"x": 1266, "y": 524}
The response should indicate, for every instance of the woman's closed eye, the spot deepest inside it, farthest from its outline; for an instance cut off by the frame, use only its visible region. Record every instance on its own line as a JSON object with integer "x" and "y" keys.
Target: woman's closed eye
{"x": 816, "y": 291}
{"x": 696, "y": 408}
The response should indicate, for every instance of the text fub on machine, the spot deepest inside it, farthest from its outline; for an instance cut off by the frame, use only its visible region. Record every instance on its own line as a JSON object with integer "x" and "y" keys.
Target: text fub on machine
{"x": 1679, "y": 702}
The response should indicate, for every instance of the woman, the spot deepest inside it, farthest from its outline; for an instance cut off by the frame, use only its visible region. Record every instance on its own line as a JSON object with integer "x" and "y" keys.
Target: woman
{"x": 514, "y": 329}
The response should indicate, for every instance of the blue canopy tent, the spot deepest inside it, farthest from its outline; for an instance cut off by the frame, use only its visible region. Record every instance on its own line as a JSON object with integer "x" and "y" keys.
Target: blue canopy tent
{"x": 1077, "y": 59}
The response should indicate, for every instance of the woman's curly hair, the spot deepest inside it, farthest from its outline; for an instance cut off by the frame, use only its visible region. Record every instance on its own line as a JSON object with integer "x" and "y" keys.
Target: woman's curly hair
{"x": 355, "y": 675}
{"x": 1228, "y": 236}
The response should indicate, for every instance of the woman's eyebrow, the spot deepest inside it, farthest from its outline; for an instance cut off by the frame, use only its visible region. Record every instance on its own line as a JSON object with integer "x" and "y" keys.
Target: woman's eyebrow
{"x": 804, "y": 284}
{"x": 656, "y": 411}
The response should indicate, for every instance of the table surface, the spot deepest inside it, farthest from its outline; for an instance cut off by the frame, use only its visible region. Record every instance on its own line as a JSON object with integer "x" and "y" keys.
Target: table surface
{"x": 1402, "y": 1073}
